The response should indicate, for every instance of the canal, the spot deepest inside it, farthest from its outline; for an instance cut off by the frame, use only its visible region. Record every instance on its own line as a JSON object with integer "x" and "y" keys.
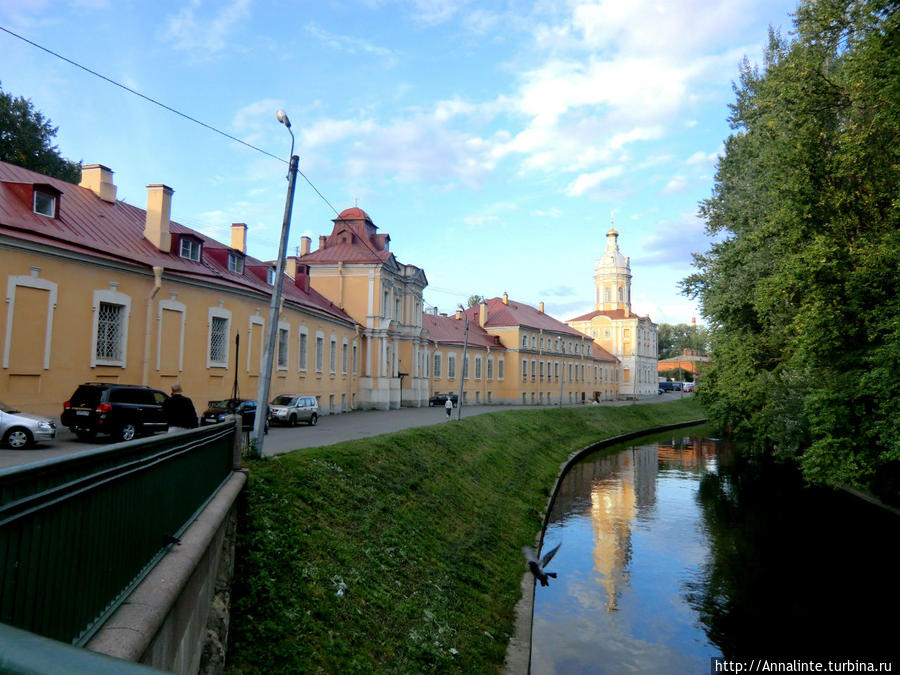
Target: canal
{"x": 678, "y": 548}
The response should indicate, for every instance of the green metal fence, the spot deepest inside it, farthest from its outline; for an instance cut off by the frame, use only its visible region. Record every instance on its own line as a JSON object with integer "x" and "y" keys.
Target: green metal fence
{"x": 79, "y": 532}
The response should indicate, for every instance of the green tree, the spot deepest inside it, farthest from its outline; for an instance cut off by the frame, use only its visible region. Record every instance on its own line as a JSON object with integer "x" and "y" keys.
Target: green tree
{"x": 25, "y": 140}
{"x": 801, "y": 290}
{"x": 672, "y": 340}
{"x": 474, "y": 300}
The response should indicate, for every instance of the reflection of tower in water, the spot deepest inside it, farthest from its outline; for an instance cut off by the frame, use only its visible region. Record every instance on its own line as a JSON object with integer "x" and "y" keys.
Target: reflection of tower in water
{"x": 627, "y": 490}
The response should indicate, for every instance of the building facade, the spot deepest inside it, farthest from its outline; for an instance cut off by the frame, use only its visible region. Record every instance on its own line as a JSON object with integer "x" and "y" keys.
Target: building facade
{"x": 99, "y": 290}
{"x": 614, "y": 327}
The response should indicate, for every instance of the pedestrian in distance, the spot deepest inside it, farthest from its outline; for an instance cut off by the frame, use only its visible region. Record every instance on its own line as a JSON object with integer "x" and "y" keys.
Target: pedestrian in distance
{"x": 448, "y": 406}
{"x": 179, "y": 411}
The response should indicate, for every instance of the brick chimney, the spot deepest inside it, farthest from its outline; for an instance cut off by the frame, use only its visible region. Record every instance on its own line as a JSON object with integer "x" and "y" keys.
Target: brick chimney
{"x": 159, "y": 211}
{"x": 301, "y": 276}
{"x": 304, "y": 245}
{"x": 239, "y": 237}
{"x": 98, "y": 179}
{"x": 482, "y": 314}
{"x": 322, "y": 238}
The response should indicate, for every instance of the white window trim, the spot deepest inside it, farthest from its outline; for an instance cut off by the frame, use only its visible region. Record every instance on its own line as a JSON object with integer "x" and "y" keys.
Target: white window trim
{"x": 332, "y": 356}
{"x": 283, "y": 325}
{"x": 319, "y": 366}
{"x": 29, "y": 281}
{"x": 500, "y": 368}
{"x": 345, "y": 356}
{"x": 436, "y": 373}
{"x": 113, "y": 297}
{"x": 257, "y": 320}
{"x": 172, "y": 306}
{"x": 218, "y": 312}
{"x": 354, "y": 365}
{"x": 302, "y": 331}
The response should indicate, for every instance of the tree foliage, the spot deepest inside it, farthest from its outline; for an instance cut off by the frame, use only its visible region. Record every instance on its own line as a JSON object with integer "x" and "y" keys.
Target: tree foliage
{"x": 672, "y": 340}
{"x": 25, "y": 140}
{"x": 801, "y": 289}
{"x": 474, "y": 300}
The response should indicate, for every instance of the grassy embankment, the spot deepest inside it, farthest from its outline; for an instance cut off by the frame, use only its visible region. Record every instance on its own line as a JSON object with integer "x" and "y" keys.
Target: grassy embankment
{"x": 401, "y": 552}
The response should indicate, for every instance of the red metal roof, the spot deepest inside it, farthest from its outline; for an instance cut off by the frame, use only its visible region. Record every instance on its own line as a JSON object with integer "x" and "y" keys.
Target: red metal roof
{"x": 611, "y": 313}
{"x": 450, "y": 330}
{"x": 115, "y": 230}
{"x": 519, "y": 314}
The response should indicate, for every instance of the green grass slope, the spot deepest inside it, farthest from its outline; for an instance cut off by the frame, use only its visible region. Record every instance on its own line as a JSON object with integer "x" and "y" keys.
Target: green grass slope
{"x": 401, "y": 553}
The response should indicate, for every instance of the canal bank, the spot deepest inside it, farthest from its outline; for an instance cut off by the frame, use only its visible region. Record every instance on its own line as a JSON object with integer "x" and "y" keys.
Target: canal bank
{"x": 403, "y": 552}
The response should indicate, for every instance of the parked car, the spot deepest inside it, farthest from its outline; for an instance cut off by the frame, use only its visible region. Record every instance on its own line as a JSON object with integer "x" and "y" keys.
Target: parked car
{"x": 291, "y": 409}
{"x": 441, "y": 399}
{"x": 123, "y": 411}
{"x": 688, "y": 386}
{"x": 219, "y": 410}
{"x": 665, "y": 385}
{"x": 22, "y": 430}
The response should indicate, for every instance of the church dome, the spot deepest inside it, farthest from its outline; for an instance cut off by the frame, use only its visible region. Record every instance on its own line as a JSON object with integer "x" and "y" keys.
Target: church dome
{"x": 354, "y": 213}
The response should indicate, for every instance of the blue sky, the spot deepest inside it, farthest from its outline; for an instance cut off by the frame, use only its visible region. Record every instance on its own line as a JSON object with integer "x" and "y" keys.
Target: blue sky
{"x": 492, "y": 141}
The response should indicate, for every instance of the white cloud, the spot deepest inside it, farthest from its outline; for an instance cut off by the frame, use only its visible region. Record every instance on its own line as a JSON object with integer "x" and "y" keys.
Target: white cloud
{"x": 588, "y": 181}
{"x": 676, "y": 185}
{"x": 701, "y": 157}
{"x": 350, "y": 45}
{"x": 204, "y": 34}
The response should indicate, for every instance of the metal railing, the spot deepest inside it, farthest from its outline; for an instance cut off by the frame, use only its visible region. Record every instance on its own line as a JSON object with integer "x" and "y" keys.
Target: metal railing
{"x": 79, "y": 532}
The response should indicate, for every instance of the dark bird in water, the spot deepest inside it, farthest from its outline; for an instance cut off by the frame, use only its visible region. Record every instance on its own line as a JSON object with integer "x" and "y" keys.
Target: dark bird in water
{"x": 537, "y": 566}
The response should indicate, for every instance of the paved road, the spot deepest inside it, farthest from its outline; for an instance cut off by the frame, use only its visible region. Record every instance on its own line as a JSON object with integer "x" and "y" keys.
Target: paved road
{"x": 330, "y": 429}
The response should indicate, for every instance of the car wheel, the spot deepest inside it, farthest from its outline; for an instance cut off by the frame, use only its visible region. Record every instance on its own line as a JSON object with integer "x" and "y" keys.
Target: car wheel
{"x": 293, "y": 421}
{"x": 86, "y": 435}
{"x": 313, "y": 419}
{"x": 127, "y": 432}
{"x": 17, "y": 438}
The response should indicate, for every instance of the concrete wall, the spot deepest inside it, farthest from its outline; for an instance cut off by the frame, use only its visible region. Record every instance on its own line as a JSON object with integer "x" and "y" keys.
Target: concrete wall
{"x": 177, "y": 618}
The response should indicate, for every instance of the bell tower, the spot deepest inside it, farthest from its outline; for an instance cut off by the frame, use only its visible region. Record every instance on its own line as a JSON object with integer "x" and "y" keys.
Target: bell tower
{"x": 612, "y": 276}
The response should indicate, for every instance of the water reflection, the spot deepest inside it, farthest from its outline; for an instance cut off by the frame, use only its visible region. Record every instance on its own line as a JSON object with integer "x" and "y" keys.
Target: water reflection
{"x": 675, "y": 551}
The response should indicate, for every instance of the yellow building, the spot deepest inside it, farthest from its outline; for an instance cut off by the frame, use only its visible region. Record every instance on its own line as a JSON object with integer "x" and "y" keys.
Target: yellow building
{"x": 100, "y": 290}
{"x": 615, "y": 328}
{"x": 353, "y": 266}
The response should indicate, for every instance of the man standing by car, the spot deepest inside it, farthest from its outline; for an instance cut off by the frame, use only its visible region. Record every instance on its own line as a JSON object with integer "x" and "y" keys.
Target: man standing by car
{"x": 448, "y": 406}
{"x": 179, "y": 410}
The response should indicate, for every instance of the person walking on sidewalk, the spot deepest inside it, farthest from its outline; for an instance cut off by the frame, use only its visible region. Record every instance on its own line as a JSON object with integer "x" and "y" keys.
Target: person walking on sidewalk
{"x": 448, "y": 406}
{"x": 179, "y": 410}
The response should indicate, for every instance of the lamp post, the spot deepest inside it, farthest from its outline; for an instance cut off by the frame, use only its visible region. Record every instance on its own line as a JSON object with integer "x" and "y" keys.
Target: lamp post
{"x": 462, "y": 370}
{"x": 262, "y": 397}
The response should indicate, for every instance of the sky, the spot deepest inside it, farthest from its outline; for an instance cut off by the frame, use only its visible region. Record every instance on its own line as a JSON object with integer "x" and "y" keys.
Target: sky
{"x": 493, "y": 141}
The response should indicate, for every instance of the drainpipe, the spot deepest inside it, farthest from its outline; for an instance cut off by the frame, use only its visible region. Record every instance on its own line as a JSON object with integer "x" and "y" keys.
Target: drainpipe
{"x": 157, "y": 284}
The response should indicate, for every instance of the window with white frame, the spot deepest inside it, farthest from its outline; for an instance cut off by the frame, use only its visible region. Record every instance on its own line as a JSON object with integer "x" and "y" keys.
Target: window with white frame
{"x": 270, "y": 276}
{"x": 320, "y": 352}
{"x": 44, "y": 203}
{"x": 524, "y": 369}
{"x": 477, "y": 367}
{"x": 500, "y": 368}
{"x": 219, "y": 329}
{"x": 354, "y": 357}
{"x": 490, "y": 368}
{"x": 189, "y": 248}
{"x": 284, "y": 334}
{"x": 235, "y": 262}
{"x": 436, "y": 371}
{"x": 344, "y": 351}
{"x": 533, "y": 368}
{"x": 332, "y": 357}
{"x": 451, "y": 366}
{"x": 303, "y": 349}
{"x": 524, "y": 340}
{"x": 556, "y": 370}
{"x": 533, "y": 342}
{"x": 109, "y": 347}
{"x": 541, "y": 367}
{"x": 466, "y": 367}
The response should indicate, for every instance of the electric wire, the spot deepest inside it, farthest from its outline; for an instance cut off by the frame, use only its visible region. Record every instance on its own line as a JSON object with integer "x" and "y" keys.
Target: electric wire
{"x": 166, "y": 107}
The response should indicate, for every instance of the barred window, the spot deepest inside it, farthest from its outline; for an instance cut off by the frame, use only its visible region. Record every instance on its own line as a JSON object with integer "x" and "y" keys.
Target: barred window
{"x": 218, "y": 339}
{"x": 477, "y": 367}
{"x": 283, "y": 335}
{"x": 110, "y": 328}
{"x": 451, "y": 366}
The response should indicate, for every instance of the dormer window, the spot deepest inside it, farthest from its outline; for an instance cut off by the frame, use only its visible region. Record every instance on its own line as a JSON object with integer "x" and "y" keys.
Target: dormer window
{"x": 189, "y": 249}
{"x": 46, "y": 200}
{"x": 270, "y": 276}
{"x": 235, "y": 262}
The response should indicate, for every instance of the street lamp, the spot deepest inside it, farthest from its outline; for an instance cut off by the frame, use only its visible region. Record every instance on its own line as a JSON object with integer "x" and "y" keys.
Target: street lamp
{"x": 462, "y": 370}
{"x": 262, "y": 397}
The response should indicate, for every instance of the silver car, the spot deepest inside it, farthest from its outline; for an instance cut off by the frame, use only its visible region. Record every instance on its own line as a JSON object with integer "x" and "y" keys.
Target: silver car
{"x": 291, "y": 409}
{"x": 21, "y": 430}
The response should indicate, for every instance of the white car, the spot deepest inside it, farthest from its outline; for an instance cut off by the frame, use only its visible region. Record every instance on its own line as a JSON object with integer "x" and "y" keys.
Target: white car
{"x": 21, "y": 430}
{"x": 291, "y": 409}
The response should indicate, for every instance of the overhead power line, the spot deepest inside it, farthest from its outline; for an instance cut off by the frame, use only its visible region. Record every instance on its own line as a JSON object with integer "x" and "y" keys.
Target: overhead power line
{"x": 165, "y": 107}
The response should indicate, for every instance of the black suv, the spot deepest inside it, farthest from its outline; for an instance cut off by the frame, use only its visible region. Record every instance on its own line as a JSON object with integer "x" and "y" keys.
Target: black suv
{"x": 441, "y": 400}
{"x": 245, "y": 407}
{"x": 121, "y": 410}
